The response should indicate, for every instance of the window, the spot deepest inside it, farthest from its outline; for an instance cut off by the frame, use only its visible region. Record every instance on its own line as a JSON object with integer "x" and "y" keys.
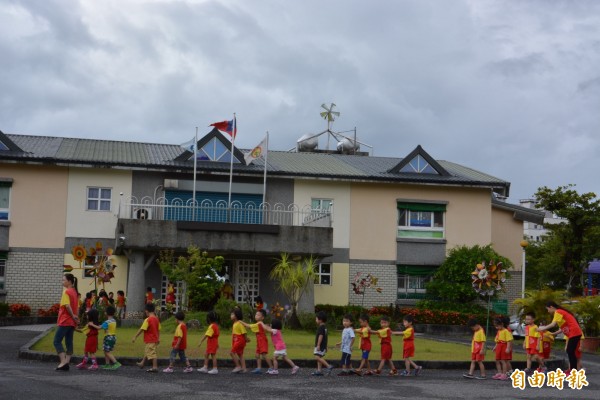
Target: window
{"x": 412, "y": 280}
{"x": 98, "y": 199}
{"x": 2, "y": 270}
{"x": 323, "y": 274}
{"x": 417, "y": 220}
{"x": 4, "y": 201}
{"x": 215, "y": 150}
{"x": 321, "y": 204}
{"x": 419, "y": 165}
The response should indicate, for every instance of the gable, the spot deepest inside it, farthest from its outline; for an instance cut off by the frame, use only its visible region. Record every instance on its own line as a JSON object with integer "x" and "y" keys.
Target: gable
{"x": 214, "y": 146}
{"x": 419, "y": 162}
{"x": 8, "y": 145}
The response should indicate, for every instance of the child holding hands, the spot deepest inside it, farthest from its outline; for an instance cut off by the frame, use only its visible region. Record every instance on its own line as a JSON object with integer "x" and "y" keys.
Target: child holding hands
{"x": 346, "y": 345}
{"x": 364, "y": 332}
{"x": 179, "y": 344}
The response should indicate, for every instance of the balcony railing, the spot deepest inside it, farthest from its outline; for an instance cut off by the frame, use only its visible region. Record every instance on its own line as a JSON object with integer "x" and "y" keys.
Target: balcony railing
{"x": 237, "y": 213}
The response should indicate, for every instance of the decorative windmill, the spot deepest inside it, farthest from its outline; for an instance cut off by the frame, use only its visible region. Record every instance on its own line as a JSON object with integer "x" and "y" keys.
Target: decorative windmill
{"x": 329, "y": 115}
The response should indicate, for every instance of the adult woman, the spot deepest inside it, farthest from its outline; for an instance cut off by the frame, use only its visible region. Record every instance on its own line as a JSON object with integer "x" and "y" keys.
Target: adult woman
{"x": 568, "y": 325}
{"x": 67, "y": 321}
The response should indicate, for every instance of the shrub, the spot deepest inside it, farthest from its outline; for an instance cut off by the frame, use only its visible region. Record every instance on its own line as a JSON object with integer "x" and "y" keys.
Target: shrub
{"x": 223, "y": 309}
{"x": 20, "y": 310}
{"x": 447, "y": 306}
{"x": 308, "y": 321}
{"x": 50, "y": 312}
{"x": 3, "y": 309}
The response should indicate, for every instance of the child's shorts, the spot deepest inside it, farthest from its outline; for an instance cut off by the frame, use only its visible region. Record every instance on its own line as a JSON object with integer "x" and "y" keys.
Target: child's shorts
{"x": 408, "y": 349}
{"x": 150, "y": 351}
{"x": 477, "y": 356}
{"x": 211, "y": 348}
{"x": 280, "y": 353}
{"x": 346, "y": 359}
{"x": 386, "y": 352}
{"x": 546, "y": 348}
{"x": 91, "y": 344}
{"x": 238, "y": 347}
{"x": 533, "y": 346}
{"x": 501, "y": 352}
{"x": 365, "y": 354}
{"x": 320, "y": 353}
{"x": 109, "y": 343}
{"x": 175, "y": 352}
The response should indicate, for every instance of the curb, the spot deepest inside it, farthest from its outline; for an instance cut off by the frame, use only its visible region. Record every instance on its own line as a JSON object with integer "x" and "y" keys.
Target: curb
{"x": 26, "y": 353}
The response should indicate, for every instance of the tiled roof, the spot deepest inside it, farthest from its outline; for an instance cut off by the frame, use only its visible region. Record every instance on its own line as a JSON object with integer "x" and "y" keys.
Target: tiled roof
{"x": 281, "y": 163}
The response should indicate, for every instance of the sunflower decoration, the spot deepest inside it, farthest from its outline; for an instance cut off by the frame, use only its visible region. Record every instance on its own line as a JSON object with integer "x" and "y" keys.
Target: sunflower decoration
{"x": 97, "y": 262}
{"x": 79, "y": 253}
{"x": 488, "y": 278}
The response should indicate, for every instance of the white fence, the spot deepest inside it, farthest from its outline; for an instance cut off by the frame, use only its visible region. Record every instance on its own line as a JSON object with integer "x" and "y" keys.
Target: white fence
{"x": 237, "y": 213}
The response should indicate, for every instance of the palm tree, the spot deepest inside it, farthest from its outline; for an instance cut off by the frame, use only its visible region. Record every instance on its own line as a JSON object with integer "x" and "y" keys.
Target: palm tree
{"x": 294, "y": 278}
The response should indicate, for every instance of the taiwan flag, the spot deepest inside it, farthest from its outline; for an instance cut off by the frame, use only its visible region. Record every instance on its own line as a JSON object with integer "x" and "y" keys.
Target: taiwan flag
{"x": 229, "y": 127}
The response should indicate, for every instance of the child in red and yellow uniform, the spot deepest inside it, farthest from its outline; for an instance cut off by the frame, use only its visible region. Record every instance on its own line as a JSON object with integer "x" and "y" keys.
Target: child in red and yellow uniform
{"x": 149, "y": 295}
{"x": 408, "y": 349}
{"x": 532, "y": 343}
{"x": 212, "y": 343}
{"x": 239, "y": 338}
{"x": 477, "y": 350}
{"x": 179, "y": 344}
{"x": 364, "y": 332}
{"x": 151, "y": 329}
{"x": 385, "y": 339}
{"x": 547, "y": 341}
{"x": 262, "y": 343}
{"x": 91, "y": 341}
{"x": 503, "y": 349}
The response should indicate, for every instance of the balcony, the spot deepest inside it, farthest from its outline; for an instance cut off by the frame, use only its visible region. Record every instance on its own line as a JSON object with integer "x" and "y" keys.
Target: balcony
{"x": 149, "y": 224}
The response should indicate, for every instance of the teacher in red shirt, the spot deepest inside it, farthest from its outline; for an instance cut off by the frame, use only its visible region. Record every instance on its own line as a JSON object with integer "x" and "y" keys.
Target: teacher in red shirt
{"x": 569, "y": 326}
{"x": 67, "y": 321}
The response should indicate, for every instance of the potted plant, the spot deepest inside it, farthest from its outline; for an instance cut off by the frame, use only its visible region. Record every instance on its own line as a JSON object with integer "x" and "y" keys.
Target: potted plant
{"x": 587, "y": 310}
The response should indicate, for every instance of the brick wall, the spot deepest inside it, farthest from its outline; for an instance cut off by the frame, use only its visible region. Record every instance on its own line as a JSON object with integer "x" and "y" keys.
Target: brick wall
{"x": 388, "y": 282}
{"x": 34, "y": 279}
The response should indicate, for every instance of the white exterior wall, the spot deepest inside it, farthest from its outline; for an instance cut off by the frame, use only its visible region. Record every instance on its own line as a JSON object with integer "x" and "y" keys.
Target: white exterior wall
{"x": 83, "y": 223}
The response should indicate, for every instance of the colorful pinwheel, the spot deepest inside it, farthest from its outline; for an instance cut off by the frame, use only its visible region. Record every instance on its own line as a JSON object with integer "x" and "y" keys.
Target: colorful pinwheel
{"x": 488, "y": 278}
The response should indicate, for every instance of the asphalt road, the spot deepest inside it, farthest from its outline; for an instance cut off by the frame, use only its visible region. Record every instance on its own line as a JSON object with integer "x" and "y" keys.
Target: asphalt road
{"x": 25, "y": 379}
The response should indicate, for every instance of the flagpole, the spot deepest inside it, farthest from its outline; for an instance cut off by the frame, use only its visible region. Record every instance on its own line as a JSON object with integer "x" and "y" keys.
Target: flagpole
{"x": 194, "y": 184}
{"x": 265, "y": 177}
{"x": 231, "y": 169}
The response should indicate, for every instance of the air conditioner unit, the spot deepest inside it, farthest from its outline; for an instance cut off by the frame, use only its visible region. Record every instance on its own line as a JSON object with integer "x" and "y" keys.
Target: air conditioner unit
{"x": 142, "y": 213}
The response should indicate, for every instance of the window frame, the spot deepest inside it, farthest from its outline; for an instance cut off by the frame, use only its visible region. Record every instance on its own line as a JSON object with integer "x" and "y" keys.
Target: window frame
{"x": 2, "y": 274}
{"x": 408, "y": 219}
{"x": 407, "y": 289}
{"x": 6, "y": 210}
{"x": 98, "y": 199}
{"x": 320, "y": 274}
{"x": 320, "y": 201}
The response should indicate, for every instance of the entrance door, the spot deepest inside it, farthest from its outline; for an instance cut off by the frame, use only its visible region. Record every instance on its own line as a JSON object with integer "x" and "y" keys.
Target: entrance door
{"x": 246, "y": 277}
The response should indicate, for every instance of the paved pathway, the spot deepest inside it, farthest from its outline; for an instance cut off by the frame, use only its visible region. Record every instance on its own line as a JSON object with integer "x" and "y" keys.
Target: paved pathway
{"x": 29, "y": 328}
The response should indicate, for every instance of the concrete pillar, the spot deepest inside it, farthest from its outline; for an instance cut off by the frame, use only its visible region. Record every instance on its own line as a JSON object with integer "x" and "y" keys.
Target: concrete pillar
{"x": 135, "y": 286}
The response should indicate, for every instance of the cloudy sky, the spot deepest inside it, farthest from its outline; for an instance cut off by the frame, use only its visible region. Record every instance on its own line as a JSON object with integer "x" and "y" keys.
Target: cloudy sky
{"x": 511, "y": 88}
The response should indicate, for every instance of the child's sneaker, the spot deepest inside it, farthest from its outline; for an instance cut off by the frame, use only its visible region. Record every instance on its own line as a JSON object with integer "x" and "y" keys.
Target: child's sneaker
{"x": 203, "y": 370}
{"x": 93, "y": 367}
{"x": 403, "y": 373}
{"x": 187, "y": 370}
{"x": 168, "y": 370}
{"x": 343, "y": 373}
{"x": 528, "y": 371}
{"x": 295, "y": 370}
{"x": 81, "y": 365}
{"x": 542, "y": 370}
{"x": 503, "y": 377}
{"x": 329, "y": 369}
{"x": 497, "y": 376}
{"x": 213, "y": 371}
{"x": 393, "y": 372}
{"x": 106, "y": 366}
{"x": 272, "y": 371}
{"x": 236, "y": 370}
{"x": 368, "y": 373}
{"x": 418, "y": 370}
{"x": 481, "y": 377}
{"x": 116, "y": 365}
{"x": 377, "y": 372}
{"x": 317, "y": 373}
{"x": 468, "y": 376}
{"x": 257, "y": 371}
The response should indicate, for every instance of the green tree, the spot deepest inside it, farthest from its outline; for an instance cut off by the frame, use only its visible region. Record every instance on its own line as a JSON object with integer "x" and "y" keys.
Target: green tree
{"x": 582, "y": 213}
{"x": 294, "y": 278}
{"x": 197, "y": 270}
{"x": 535, "y": 300}
{"x": 452, "y": 281}
{"x": 545, "y": 269}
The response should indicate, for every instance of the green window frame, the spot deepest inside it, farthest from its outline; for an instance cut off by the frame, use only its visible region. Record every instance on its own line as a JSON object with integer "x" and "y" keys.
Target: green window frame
{"x": 421, "y": 220}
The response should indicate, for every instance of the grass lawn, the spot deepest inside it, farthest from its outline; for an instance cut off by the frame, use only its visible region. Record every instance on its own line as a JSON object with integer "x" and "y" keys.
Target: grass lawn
{"x": 300, "y": 345}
